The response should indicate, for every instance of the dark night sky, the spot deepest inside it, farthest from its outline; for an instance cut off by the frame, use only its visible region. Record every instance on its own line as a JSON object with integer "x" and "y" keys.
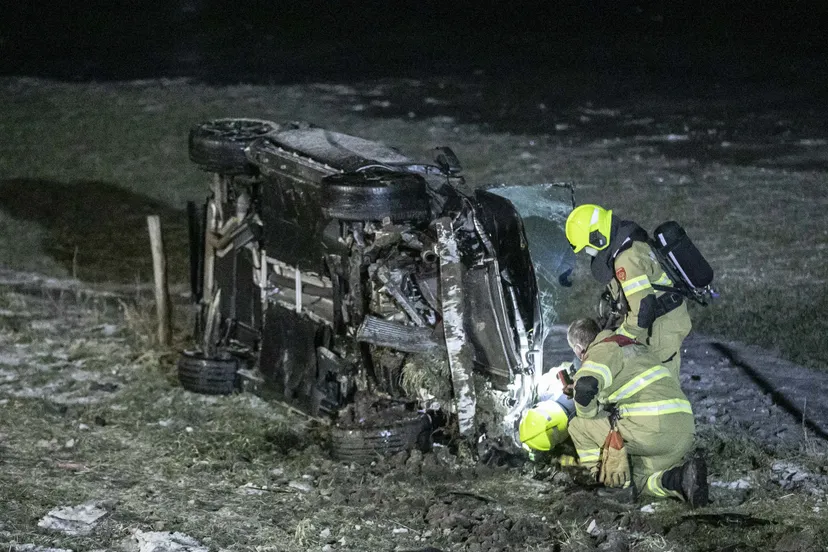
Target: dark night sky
{"x": 294, "y": 40}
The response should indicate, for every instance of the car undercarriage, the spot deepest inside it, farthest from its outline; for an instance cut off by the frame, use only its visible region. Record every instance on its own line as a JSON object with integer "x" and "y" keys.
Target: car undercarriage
{"x": 387, "y": 296}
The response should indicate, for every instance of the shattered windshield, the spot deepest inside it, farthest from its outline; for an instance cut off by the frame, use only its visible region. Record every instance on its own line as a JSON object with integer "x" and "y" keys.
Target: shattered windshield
{"x": 544, "y": 208}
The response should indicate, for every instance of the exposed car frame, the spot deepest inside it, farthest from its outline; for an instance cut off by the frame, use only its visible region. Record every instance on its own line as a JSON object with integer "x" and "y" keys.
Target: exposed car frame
{"x": 355, "y": 284}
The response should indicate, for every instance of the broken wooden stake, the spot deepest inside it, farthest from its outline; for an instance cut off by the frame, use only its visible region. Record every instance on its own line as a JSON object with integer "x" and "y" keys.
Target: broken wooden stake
{"x": 162, "y": 292}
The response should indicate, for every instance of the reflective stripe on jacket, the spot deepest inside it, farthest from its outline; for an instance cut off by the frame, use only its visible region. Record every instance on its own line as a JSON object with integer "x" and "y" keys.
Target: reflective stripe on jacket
{"x": 636, "y": 271}
{"x": 630, "y": 378}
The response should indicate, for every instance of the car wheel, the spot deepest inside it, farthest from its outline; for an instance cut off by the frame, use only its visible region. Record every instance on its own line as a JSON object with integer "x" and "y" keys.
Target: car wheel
{"x": 218, "y": 375}
{"x": 362, "y": 196}
{"x": 371, "y": 440}
{"x": 218, "y": 145}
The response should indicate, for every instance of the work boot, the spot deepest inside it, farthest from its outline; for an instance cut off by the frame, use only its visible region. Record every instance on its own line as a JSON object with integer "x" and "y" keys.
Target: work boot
{"x": 690, "y": 479}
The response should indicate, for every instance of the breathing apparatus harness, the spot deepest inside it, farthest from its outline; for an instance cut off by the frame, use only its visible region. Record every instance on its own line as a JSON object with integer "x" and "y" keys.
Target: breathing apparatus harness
{"x": 681, "y": 261}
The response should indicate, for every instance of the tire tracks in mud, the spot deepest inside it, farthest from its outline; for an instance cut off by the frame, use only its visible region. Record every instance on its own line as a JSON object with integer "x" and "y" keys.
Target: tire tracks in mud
{"x": 777, "y": 392}
{"x": 745, "y": 388}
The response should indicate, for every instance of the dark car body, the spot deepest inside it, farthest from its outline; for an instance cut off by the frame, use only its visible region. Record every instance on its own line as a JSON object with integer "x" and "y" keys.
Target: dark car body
{"x": 347, "y": 274}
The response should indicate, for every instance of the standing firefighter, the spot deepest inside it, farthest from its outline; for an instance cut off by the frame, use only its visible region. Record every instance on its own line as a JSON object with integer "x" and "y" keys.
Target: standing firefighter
{"x": 637, "y": 285}
{"x": 628, "y": 402}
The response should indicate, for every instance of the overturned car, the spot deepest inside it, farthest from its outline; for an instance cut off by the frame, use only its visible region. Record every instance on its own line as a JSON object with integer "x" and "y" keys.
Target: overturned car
{"x": 356, "y": 285}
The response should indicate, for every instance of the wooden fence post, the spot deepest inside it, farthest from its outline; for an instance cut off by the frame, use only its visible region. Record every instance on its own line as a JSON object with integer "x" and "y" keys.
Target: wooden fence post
{"x": 162, "y": 292}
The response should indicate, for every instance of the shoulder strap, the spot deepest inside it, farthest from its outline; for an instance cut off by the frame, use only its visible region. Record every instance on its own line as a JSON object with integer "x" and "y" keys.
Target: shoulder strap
{"x": 669, "y": 289}
{"x": 623, "y": 247}
{"x": 637, "y": 234}
{"x": 620, "y": 340}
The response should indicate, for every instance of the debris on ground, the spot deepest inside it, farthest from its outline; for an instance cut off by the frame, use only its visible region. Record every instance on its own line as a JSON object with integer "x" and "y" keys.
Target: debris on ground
{"x": 163, "y": 541}
{"x": 791, "y": 476}
{"x": 300, "y": 486}
{"x": 739, "y": 484}
{"x": 158, "y": 471}
{"x": 35, "y": 548}
{"x": 74, "y": 520}
{"x": 251, "y": 489}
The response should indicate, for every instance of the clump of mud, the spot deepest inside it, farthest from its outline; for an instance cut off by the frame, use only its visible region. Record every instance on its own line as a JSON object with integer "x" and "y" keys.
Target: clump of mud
{"x": 480, "y": 524}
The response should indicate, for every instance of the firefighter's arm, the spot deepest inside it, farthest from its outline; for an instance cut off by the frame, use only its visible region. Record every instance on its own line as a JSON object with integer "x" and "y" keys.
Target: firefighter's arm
{"x": 634, "y": 280}
{"x": 596, "y": 374}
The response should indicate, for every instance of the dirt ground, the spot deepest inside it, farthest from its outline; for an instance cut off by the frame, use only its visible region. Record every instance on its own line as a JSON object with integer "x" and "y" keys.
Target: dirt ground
{"x": 89, "y": 416}
{"x": 100, "y": 449}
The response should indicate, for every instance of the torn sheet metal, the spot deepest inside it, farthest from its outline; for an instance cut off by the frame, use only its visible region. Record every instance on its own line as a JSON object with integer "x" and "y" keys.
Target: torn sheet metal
{"x": 457, "y": 346}
{"x": 392, "y": 287}
{"x": 402, "y": 337}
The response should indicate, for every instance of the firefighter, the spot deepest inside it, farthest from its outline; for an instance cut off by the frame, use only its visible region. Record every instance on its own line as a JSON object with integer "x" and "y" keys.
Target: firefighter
{"x": 621, "y": 385}
{"x": 624, "y": 261}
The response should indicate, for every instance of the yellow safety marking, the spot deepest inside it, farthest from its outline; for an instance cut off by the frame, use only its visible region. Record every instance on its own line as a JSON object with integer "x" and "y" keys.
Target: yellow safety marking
{"x": 566, "y": 460}
{"x": 636, "y": 285}
{"x": 634, "y": 386}
{"x": 589, "y": 455}
{"x": 654, "y": 485}
{"x": 596, "y": 368}
{"x": 656, "y": 408}
{"x": 663, "y": 280}
{"x": 622, "y": 331}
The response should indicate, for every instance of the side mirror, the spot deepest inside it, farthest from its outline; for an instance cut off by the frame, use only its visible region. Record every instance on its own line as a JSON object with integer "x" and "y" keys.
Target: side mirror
{"x": 448, "y": 161}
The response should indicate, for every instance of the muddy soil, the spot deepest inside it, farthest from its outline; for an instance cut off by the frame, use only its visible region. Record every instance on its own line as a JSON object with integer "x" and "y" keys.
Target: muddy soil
{"x": 89, "y": 419}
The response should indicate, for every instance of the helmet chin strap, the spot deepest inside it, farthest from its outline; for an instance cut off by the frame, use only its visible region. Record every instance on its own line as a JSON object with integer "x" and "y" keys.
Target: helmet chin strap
{"x": 590, "y": 251}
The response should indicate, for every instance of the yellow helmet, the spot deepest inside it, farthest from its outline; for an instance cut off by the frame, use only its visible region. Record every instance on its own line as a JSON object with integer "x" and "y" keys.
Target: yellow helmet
{"x": 588, "y": 225}
{"x": 544, "y": 426}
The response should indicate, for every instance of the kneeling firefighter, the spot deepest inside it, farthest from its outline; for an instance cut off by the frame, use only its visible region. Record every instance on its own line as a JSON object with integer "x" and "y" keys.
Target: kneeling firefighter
{"x": 633, "y": 424}
{"x": 635, "y": 270}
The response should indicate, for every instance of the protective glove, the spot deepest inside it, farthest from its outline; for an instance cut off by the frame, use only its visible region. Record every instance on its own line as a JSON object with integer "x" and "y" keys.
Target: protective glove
{"x": 615, "y": 465}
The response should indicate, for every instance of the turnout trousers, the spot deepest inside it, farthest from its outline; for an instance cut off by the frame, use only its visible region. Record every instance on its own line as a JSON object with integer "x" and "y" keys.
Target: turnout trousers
{"x": 654, "y": 443}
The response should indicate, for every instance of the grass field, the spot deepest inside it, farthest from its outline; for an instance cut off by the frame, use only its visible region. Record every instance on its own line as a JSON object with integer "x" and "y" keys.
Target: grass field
{"x": 89, "y": 413}
{"x": 81, "y": 164}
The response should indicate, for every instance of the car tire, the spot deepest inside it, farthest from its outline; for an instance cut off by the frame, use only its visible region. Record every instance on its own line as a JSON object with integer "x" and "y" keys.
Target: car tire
{"x": 217, "y": 375}
{"x": 364, "y": 196}
{"x": 368, "y": 442}
{"x": 218, "y": 145}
